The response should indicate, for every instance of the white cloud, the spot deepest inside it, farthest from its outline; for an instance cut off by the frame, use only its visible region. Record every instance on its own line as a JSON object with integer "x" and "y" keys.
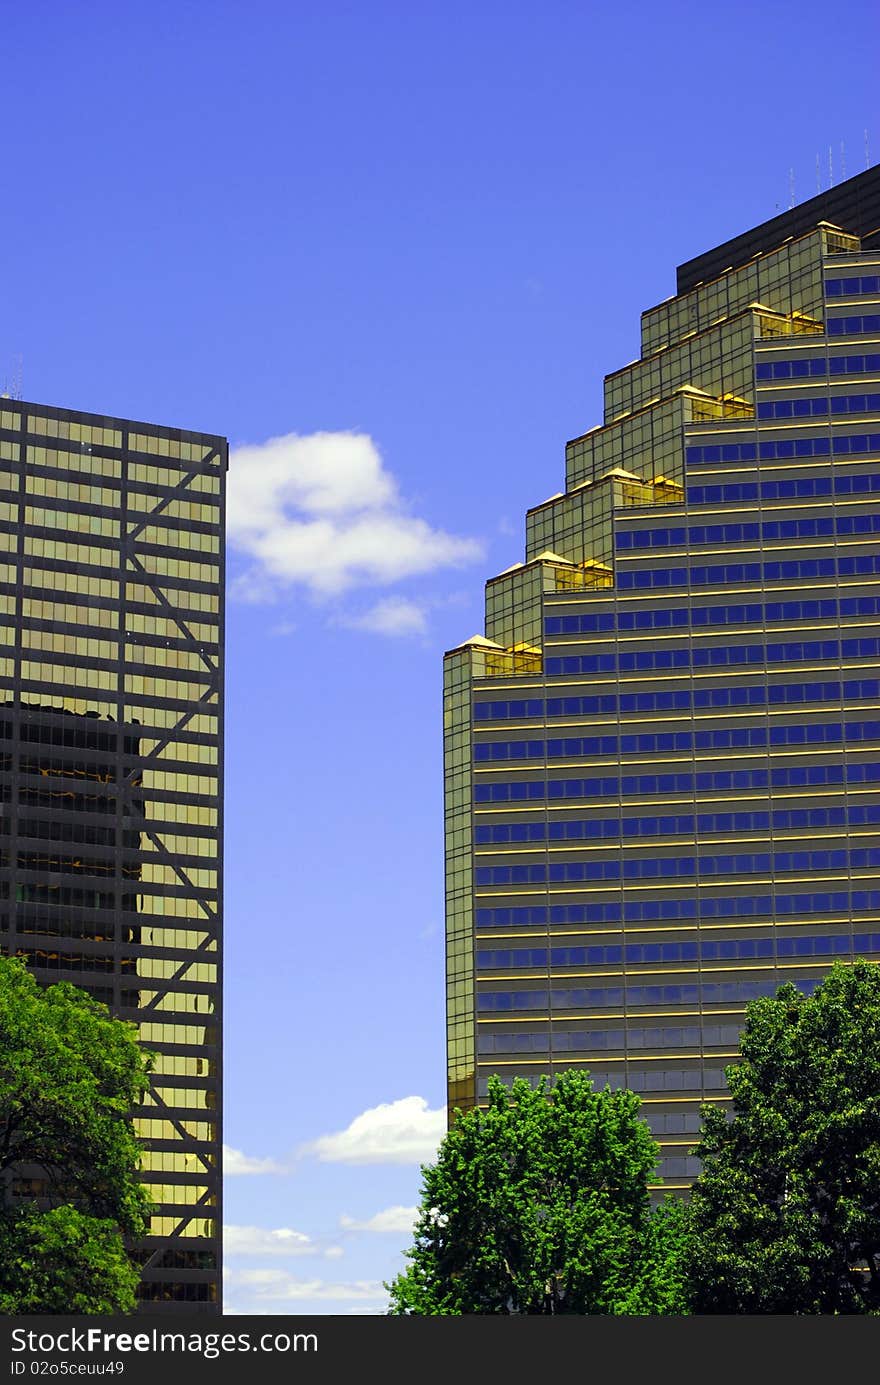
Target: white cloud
{"x": 258, "y": 1240}
{"x": 396, "y": 1132}
{"x": 278, "y": 1286}
{"x": 234, "y": 1162}
{"x": 397, "y": 1219}
{"x": 393, "y": 615}
{"x": 323, "y": 512}
{"x": 253, "y": 588}
{"x": 322, "y": 473}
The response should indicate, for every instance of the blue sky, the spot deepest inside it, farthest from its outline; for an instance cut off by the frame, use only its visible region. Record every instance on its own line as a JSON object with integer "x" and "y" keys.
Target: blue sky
{"x": 406, "y": 240}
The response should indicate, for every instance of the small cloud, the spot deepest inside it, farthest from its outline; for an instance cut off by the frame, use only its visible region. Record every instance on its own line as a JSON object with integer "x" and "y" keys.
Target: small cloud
{"x": 258, "y": 1240}
{"x": 234, "y": 1162}
{"x": 393, "y": 615}
{"x": 399, "y": 1220}
{"x": 322, "y": 511}
{"x": 284, "y": 627}
{"x": 506, "y": 528}
{"x": 396, "y": 1132}
{"x": 253, "y": 588}
{"x": 277, "y": 1286}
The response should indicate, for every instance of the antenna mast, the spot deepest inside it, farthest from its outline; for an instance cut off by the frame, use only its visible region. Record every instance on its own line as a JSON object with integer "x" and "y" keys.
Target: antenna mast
{"x": 12, "y": 383}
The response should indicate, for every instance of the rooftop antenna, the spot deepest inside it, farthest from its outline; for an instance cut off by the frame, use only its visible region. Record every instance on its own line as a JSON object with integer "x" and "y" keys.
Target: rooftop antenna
{"x": 830, "y": 169}
{"x": 791, "y": 188}
{"x": 12, "y": 384}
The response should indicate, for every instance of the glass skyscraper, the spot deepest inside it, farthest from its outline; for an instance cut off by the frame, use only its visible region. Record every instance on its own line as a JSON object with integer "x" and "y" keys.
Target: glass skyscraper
{"x": 662, "y": 773}
{"x": 111, "y": 736}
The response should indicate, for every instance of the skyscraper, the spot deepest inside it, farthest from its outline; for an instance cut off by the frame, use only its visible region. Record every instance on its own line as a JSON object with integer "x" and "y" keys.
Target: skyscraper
{"x": 662, "y": 774}
{"x": 111, "y": 692}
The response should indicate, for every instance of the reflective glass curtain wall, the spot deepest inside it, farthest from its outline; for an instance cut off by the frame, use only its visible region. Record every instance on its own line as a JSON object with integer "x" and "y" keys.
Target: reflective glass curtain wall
{"x": 111, "y": 734}
{"x": 673, "y": 791}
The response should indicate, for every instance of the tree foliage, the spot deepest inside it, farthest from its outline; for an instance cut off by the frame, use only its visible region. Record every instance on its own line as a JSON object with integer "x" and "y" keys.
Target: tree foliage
{"x": 69, "y": 1077}
{"x": 64, "y": 1261}
{"x": 785, "y": 1216}
{"x": 540, "y": 1205}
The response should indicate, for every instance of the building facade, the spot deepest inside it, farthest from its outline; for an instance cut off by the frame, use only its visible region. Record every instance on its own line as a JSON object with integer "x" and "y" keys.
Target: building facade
{"x": 111, "y": 718}
{"x": 661, "y": 760}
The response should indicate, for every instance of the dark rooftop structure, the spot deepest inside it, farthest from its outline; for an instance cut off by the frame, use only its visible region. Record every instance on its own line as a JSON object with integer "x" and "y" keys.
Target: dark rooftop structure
{"x": 854, "y": 206}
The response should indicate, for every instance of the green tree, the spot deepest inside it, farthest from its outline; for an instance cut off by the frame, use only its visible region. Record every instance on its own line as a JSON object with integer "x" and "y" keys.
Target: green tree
{"x": 785, "y": 1215}
{"x": 540, "y": 1205}
{"x": 69, "y": 1077}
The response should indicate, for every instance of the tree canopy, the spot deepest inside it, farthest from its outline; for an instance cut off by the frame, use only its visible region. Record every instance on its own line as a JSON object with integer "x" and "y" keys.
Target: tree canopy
{"x": 69, "y": 1077}
{"x": 785, "y": 1215}
{"x": 539, "y": 1204}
